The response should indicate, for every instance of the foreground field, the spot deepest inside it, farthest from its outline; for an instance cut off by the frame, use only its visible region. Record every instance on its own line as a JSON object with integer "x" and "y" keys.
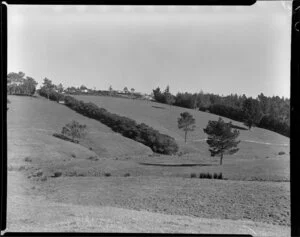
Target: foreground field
{"x": 106, "y": 174}
{"x": 26, "y": 200}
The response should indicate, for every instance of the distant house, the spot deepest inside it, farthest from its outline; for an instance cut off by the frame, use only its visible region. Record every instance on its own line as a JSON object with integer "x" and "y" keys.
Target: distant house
{"x": 147, "y": 97}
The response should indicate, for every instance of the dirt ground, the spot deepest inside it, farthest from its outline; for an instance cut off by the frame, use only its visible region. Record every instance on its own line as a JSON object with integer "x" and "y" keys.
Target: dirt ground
{"x": 31, "y": 210}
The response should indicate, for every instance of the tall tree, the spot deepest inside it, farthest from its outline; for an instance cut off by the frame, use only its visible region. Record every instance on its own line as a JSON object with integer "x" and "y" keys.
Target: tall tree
{"x": 252, "y": 112}
{"x": 83, "y": 87}
{"x": 169, "y": 98}
{"x": 158, "y": 95}
{"x": 29, "y": 86}
{"x": 132, "y": 90}
{"x": 221, "y": 138}
{"x": 125, "y": 90}
{"x": 60, "y": 88}
{"x": 186, "y": 122}
{"x": 47, "y": 86}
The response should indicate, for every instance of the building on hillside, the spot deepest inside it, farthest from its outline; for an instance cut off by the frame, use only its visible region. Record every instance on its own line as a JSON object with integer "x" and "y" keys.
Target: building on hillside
{"x": 147, "y": 97}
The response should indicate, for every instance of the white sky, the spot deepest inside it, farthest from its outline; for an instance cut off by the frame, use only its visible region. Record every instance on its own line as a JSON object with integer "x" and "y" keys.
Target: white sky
{"x": 243, "y": 50}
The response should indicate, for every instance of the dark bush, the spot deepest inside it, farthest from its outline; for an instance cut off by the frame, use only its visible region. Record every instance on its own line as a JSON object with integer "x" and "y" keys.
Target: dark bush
{"x": 142, "y": 133}
{"x": 28, "y": 159}
{"x": 126, "y": 175}
{"x": 57, "y": 174}
{"x": 227, "y": 111}
{"x": 281, "y": 153}
{"x": 193, "y": 175}
{"x": 220, "y": 176}
{"x": 210, "y": 176}
{"x": 107, "y": 174}
{"x": 268, "y": 122}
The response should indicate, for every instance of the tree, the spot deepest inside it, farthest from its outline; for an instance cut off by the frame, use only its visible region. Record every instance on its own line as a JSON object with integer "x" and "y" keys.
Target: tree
{"x": 60, "y": 88}
{"x": 29, "y": 86}
{"x": 82, "y": 87}
{"x": 187, "y": 123}
{"x": 168, "y": 97}
{"x": 125, "y": 90}
{"x": 74, "y": 130}
{"x": 132, "y": 90}
{"x": 221, "y": 138}
{"x": 252, "y": 112}
{"x": 47, "y": 86}
{"x": 158, "y": 95}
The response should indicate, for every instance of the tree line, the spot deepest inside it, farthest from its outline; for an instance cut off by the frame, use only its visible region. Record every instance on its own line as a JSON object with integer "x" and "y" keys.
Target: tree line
{"x": 18, "y": 84}
{"x": 272, "y": 113}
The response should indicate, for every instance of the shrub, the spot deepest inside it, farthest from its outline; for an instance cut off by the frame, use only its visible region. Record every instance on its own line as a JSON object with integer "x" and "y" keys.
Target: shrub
{"x": 107, "y": 174}
{"x": 44, "y": 178}
{"x": 74, "y": 130}
{"x": 126, "y": 175}
{"x": 210, "y": 176}
{"x": 73, "y": 155}
{"x": 201, "y": 176}
{"x": 193, "y": 175}
{"x": 93, "y": 158}
{"x": 281, "y": 153}
{"x": 220, "y": 176}
{"x": 28, "y": 159}
{"x": 57, "y": 174}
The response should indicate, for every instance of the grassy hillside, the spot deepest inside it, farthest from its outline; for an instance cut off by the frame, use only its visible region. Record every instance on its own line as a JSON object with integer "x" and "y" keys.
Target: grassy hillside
{"x": 255, "y": 143}
{"x": 34, "y": 120}
{"x": 121, "y": 173}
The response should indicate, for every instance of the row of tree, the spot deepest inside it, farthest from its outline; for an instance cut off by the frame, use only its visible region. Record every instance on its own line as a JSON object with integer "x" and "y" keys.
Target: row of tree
{"x": 272, "y": 113}
{"x": 18, "y": 84}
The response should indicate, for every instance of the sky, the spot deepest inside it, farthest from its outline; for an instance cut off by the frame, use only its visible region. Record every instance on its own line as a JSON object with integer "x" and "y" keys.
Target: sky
{"x": 216, "y": 49}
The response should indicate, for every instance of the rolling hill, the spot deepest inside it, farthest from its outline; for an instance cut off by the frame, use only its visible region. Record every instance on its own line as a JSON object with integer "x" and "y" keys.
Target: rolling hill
{"x": 108, "y": 172}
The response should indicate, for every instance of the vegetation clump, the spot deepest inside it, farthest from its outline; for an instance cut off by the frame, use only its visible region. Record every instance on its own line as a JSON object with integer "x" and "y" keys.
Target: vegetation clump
{"x": 193, "y": 175}
{"x": 210, "y": 176}
{"x": 74, "y": 130}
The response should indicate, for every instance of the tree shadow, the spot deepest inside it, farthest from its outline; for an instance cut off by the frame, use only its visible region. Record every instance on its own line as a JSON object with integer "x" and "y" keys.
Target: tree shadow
{"x": 238, "y": 127}
{"x": 158, "y": 107}
{"x": 176, "y": 165}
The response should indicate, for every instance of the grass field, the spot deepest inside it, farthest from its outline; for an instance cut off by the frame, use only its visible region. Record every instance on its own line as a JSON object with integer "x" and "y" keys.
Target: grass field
{"x": 164, "y": 118}
{"x": 107, "y": 170}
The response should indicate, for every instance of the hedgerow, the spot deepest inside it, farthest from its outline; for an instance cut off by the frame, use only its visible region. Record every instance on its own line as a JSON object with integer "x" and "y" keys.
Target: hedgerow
{"x": 142, "y": 133}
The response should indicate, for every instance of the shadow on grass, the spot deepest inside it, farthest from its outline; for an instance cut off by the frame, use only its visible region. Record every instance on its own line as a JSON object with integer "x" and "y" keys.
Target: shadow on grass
{"x": 176, "y": 165}
{"x": 238, "y": 127}
{"x": 158, "y": 107}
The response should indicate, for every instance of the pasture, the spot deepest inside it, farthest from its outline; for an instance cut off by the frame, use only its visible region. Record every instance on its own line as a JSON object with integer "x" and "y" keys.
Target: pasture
{"x": 107, "y": 170}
